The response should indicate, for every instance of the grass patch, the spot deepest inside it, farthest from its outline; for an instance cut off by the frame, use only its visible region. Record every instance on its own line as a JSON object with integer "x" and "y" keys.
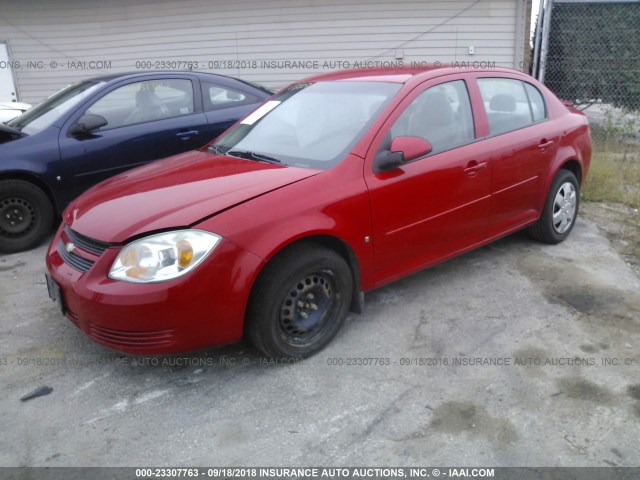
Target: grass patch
{"x": 614, "y": 175}
{"x": 613, "y": 182}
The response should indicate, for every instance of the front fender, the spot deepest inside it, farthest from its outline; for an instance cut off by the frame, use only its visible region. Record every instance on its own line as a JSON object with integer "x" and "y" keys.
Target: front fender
{"x": 332, "y": 204}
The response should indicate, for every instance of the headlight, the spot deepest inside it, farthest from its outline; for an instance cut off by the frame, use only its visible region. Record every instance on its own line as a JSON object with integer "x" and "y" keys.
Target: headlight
{"x": 163, "y": 257}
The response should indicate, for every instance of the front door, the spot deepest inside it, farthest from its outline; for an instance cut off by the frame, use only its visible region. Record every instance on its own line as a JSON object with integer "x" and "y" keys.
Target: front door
{"x": 433, "y": 206}
{"x": 146, "y": 120}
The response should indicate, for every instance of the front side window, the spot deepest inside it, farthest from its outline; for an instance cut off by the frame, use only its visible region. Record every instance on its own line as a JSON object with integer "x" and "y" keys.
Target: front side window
{"x": 51, "y": 110}
{"x": 440, "y": 115}
{"x": 146, "y": 101}
{"x": 311, "y": 125}
{"x": 507, "y": 104}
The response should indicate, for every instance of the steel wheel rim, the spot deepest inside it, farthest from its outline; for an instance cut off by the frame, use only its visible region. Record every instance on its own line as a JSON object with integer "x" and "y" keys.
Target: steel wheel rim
{"x": 305, "y": 312}
{"x": 564, "y": 207}
{"x": 17, "y": 217}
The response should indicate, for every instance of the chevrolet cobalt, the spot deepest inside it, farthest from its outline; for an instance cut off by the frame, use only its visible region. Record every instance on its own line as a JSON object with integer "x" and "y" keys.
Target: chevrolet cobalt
{"x": 335, "y": 186}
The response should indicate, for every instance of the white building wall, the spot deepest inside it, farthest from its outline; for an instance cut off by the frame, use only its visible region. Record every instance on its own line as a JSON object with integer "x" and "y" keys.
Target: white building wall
{"x": 56, "y": 37}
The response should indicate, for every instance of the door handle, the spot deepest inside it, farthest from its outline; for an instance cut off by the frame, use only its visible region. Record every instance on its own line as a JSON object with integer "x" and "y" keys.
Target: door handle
{"x": 186, "y": 135}
{"x": 544, "y": 144}
{"x": 473, "y": 167}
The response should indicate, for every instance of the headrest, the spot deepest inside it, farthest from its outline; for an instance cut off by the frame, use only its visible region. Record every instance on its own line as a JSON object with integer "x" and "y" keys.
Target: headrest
{"x": 436, "y": 109}
{"x": 502, "y": 103}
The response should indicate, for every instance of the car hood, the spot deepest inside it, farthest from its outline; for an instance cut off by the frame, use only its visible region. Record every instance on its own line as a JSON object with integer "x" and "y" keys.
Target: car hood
{"x": 176, "y": 192}
{"x": 21, "y": 107}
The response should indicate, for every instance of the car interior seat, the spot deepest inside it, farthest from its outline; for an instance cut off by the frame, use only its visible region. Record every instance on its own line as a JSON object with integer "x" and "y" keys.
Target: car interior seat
{"x": 148, "y": 107}
{"x": 434, "y": 120}
{"x": 501, "y": 114}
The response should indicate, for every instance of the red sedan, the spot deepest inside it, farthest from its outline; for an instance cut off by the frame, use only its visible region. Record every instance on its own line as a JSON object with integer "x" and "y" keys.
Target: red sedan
{"x": 335, "y": 186}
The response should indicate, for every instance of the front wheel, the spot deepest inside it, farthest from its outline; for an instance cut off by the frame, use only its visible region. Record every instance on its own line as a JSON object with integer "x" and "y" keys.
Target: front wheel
{"x": 560, "y": 209}
{"x": 299, "y": 302}
{"x": 26, "y": 216}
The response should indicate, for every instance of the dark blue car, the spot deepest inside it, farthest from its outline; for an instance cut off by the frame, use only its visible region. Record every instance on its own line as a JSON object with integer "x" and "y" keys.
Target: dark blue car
{"x": 97, "y": 128}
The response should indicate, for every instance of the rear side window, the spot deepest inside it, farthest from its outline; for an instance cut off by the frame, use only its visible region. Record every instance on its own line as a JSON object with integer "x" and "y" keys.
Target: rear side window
{"x": 538, "y": 109}
{"x": 508, "y": 105}
{"x": 217, "y": 97}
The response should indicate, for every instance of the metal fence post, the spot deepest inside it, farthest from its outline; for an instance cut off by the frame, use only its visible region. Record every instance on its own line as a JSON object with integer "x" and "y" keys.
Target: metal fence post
{"x": 536, "y": 41}
{"x": 546, "y": 27}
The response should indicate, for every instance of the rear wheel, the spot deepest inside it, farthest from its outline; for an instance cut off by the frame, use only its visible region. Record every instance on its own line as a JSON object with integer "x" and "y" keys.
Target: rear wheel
{"x": 560, "y": 209}
{"x": 26, "y": 216}
{"x": 299, "y": 302}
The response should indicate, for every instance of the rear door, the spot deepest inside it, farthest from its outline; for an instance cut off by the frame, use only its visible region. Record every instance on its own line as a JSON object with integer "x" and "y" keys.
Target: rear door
{"x": 439, "y": 204}
{"x": 523, "y": 143}
{"x": 147, "y": 120}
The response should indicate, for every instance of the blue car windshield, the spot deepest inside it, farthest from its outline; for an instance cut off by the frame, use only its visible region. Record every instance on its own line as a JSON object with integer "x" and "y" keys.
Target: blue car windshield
{"x": 50, "y": 110}
{"x": 310, "y": 125}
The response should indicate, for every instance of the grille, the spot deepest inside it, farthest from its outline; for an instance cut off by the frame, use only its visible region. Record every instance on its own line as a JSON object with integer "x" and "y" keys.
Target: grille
{"x": 150, "y": 339}
{"x": 85, "y": 243}
{"x": 76, "y": 261}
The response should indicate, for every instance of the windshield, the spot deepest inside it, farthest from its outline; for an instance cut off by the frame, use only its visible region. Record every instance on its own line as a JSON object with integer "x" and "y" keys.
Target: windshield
{"x": 47, "y": 112}
{"x": 311, "y": 125}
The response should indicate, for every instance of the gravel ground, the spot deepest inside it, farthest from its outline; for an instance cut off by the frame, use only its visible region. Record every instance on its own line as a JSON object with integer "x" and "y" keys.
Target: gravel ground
{"x": 517, "y": 354}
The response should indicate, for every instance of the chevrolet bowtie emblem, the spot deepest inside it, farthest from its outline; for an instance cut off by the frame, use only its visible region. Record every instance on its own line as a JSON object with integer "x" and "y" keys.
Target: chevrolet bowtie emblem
{"x": 70, "y": 247}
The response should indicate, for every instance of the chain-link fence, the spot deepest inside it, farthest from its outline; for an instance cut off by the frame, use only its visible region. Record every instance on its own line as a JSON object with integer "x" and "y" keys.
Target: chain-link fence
{"x": 589, "y": 52}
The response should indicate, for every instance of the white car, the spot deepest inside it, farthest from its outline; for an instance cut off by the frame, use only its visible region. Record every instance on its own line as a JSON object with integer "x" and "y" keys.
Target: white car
{"x": 9, "y": 110}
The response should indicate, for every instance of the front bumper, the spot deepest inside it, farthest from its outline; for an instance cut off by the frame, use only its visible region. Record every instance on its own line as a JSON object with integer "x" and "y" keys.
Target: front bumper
{"x": 203, "y": 308}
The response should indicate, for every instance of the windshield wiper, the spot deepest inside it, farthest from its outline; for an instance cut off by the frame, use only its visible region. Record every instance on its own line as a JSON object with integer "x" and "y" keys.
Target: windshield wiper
{"x": 254, "y": 156}
{"x": 217, "y": 149}
{"x": 13, "y": 130}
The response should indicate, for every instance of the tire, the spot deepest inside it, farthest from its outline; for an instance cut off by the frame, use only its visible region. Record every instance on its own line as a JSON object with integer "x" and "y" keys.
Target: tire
{"x": 26, "y": 216}
{"x": 560, "y": 210}
{"x": 299, "y": 302}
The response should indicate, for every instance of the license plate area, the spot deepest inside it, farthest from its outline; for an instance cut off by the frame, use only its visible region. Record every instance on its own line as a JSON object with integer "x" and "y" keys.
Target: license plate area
{"x": 55, "y": 293}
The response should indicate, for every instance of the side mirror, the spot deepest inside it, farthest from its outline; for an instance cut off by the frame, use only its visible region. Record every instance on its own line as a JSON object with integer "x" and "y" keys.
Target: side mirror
{"x": 87, "y": 124}
{"x": 411, "y": 147}
{"x": 402, "y": 150}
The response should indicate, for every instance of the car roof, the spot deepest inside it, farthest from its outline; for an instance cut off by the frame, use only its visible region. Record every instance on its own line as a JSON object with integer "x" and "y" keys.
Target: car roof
{"x": 141, "y": 75}
{"x": 401, "y": 74}
{"x": 117, "y": 76}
